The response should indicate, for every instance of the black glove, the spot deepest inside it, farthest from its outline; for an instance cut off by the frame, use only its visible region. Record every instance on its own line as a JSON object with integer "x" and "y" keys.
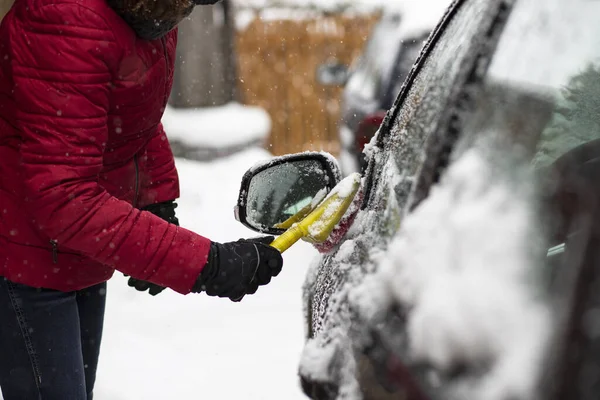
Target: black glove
{"x": 236, "y": 269}
{"x": 142, "y": 286}
{"x": 166, "y": 211}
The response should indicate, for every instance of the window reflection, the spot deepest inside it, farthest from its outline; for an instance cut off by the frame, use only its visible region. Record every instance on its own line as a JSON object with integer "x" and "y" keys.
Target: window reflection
{"x": 541, "y": 98}
{"x": 280, "y": 192}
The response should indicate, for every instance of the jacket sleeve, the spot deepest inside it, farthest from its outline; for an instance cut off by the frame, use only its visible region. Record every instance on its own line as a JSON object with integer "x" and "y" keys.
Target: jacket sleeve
{"x": 61, "y": 86}
{"x": 159, "y": 180}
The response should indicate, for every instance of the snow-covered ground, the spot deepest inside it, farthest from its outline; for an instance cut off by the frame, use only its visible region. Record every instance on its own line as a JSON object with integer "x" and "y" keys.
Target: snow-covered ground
{"x": 217, "y": 127}
{"x": 196, "y": 347}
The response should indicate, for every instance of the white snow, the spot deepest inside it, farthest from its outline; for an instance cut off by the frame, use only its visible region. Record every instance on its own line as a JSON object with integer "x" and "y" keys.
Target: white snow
{"x": 347, "y": 186}
{"x": 217, "y": 127}
{"x": 462, "y": 264}
{"x": 315, "y": 361}
{"x": 321, "y": 194}
{"x": 197, "y": 347}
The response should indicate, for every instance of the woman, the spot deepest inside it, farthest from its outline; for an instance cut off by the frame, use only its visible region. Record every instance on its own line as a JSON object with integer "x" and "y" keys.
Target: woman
{"x": 87, "y": 184}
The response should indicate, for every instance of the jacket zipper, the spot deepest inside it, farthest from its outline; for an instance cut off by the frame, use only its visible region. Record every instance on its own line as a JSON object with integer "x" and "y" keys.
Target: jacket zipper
{"x": 137, "y": 180}
{"x": 167, "y": 66}
{"x": 54, "y": 245}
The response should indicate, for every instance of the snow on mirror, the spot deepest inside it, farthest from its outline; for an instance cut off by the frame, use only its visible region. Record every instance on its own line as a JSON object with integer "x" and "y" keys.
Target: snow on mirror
{"x": 277, "y": 195}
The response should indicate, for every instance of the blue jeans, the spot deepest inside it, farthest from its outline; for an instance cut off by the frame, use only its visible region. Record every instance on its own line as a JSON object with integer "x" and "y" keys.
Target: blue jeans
{"x": 49, "y": 341}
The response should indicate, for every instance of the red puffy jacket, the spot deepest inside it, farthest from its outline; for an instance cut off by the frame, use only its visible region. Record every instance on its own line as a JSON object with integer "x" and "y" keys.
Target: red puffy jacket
{"x": 82, "y": 149}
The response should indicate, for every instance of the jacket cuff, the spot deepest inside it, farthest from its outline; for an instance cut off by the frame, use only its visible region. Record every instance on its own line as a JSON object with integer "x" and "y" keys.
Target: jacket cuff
{"x": 185, "y": 259}
{"x": 209, "y": 271}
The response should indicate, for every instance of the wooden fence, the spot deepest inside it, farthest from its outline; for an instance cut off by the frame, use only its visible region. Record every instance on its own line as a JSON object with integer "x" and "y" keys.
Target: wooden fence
{"x": 4, "y": 7}
{"x": 277, "y": 63}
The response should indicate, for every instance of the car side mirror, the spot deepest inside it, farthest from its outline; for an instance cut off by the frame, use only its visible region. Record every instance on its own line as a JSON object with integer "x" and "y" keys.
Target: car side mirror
{"x": 332, "y": 73}
{"x": 276, "y": 194}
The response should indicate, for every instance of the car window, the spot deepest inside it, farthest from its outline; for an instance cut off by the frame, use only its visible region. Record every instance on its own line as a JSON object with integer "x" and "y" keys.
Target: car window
{"x": 540, "y": 104}
{"x": 420, "y": 111}
{"x": 538, "y": 123}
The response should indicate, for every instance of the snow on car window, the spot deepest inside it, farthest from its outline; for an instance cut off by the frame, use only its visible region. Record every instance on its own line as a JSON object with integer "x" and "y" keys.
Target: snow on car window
{"x": 429, "y": 94}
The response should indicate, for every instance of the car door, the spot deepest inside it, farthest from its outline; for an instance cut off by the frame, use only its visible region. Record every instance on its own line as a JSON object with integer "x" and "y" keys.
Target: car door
{"x": 338, "y": 330}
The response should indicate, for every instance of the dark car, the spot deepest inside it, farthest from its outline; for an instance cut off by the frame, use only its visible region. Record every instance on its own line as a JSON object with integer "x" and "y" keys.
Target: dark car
{"x": 372, "y": 83}
{"x": 471, "y": 269}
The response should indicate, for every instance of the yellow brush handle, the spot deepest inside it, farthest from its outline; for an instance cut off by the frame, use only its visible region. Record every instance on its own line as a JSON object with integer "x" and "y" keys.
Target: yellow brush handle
{"x": 326, "y": 222}
{"x": 287, "y": 238}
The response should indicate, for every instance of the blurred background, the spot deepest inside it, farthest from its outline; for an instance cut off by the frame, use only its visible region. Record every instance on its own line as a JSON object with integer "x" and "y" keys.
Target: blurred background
{"x": 266, "y": 54}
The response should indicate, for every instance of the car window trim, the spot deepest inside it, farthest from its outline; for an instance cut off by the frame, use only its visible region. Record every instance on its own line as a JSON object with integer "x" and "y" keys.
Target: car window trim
{"x": 417, "y": 66}
{"x": 440, "y": 144}
{"x": 500, "y": 15}
{"x": 392, "y": 114}
{"x": 390, "y": 97}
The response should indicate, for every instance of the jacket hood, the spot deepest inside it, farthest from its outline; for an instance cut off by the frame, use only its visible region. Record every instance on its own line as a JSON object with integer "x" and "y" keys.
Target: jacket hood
{"x": 152, "y": 19}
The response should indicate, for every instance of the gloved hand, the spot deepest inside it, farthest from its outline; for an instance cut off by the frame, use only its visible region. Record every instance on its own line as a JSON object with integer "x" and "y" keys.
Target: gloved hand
{"x": 166, "y": 211}
{"x": 142, "y": 286}
{"x": 236, "y": 269}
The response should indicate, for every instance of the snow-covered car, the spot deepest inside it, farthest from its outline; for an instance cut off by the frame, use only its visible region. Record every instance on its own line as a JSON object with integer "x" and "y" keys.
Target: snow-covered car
{"x": 373, "y": 81}
{"x": 471, "y": 269}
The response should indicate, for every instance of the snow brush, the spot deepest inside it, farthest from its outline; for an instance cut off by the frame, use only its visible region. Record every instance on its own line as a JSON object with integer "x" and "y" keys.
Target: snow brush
{"x": 318, "y": 225}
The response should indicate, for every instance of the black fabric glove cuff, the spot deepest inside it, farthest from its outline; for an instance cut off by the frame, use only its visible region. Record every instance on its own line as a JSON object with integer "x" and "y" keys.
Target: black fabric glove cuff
{"x": 164, "y": 210}
{"x": 209, "y": 271}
